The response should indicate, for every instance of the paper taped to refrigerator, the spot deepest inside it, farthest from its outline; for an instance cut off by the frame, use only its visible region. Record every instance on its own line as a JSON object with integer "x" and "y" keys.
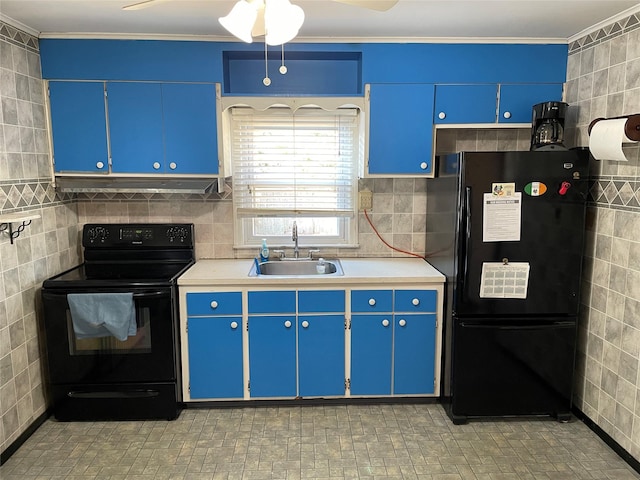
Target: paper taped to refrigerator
{"x": 501, "y": 218}
{"x": 500, "y": 280}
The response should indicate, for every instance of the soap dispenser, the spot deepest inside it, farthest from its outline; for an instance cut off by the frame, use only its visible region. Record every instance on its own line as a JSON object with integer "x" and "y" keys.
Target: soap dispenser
{"x": 264, "y": 251}
{"x": 321, "y": 266}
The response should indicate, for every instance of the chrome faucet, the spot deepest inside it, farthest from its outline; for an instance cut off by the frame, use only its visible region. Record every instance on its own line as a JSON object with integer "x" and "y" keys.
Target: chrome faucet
{"x": 294, "y": 237}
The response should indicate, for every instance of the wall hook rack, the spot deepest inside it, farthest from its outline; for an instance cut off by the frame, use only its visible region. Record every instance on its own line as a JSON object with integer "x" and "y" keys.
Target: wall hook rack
{"x": 21, "y": 220}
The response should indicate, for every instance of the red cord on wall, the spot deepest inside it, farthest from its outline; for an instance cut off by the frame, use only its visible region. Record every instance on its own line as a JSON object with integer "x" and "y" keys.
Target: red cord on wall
{"x": 386, "y": 243}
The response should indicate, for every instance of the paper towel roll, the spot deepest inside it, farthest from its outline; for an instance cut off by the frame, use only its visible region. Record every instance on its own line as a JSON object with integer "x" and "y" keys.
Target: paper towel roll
{"x": 606, "y": 139}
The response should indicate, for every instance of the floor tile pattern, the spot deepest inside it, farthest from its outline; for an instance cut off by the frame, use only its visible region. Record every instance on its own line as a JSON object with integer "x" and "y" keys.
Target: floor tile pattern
{"x": 319, "y": 442}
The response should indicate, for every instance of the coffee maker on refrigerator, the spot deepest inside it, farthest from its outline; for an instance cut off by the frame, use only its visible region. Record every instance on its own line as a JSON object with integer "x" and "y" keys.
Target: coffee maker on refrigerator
{"x": 547, "y": 126}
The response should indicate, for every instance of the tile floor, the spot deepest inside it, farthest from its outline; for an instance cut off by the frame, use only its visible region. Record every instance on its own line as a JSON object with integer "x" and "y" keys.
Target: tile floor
{"x": 404, "y": 441}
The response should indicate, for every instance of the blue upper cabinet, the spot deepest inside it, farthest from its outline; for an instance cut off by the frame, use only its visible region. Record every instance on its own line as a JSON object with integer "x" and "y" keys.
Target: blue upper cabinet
{"x": 400, "y": 130}
{"x": 465, "y": 104}
{"x": 162, "y": 128}
{"x": 135, "y": 127}
{"x": 516, "y": 100}
{"x": 491, "y": 103}
{"x": 79, "y": 127}
{"x": 190, "y": 128}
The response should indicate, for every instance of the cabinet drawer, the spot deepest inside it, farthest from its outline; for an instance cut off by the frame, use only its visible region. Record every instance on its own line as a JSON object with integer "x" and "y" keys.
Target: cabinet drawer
{"x": 321, "y": 301}
{"x": 210, "y": 303}
{"x": 415, "y": 301}
{"x": 371, "y": 300}
{"x": 272, "y": 302}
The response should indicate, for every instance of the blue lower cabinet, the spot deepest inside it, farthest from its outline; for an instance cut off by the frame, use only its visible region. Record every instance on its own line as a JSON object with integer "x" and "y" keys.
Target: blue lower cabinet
{"x": 414, "y": 354}
{"x": 215, "y": 357}
{"x": 321, "y": 355}
{"x": 371, "y": 340}
{"x": 272, "y": 356}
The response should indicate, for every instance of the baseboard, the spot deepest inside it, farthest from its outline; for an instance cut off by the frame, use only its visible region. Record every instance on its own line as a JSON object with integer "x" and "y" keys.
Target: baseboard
{"x": 606, "y": 438}
{"x": 11, "y": 449}
{"x": 306, "y": 402}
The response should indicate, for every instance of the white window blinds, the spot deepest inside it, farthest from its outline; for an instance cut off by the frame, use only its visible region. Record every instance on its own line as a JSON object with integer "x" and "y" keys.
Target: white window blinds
{"x": 294, "y": 163}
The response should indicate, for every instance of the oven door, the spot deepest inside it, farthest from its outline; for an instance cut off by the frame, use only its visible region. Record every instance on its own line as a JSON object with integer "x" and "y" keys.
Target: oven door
{"x": 147, "y": 356}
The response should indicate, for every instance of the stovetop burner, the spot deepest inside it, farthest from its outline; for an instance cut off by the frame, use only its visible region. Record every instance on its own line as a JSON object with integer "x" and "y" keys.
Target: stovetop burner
{"x": 135, "y": 254}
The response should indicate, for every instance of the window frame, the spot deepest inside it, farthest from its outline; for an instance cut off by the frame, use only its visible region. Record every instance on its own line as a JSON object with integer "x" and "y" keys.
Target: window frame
{"x": 348, "y": 224}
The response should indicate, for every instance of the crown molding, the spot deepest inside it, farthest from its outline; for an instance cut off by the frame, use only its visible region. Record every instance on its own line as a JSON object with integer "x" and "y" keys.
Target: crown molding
{"x": 19, "y": 25}
{"x": 594, "y": 28}
{"x": 217, "y": 38}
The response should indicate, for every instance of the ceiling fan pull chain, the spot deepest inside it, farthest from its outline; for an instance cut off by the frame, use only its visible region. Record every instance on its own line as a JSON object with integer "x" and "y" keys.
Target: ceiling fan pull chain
{"x": 267, "y": 80}
{"x": 283, "y": 68}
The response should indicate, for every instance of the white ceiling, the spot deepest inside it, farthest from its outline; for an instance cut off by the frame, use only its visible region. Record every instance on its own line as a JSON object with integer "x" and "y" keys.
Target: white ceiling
{"x": 326, "y": 20}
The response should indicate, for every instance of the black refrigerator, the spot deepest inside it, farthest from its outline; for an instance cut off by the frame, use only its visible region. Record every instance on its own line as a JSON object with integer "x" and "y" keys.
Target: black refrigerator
{"x": 507, "y": 230}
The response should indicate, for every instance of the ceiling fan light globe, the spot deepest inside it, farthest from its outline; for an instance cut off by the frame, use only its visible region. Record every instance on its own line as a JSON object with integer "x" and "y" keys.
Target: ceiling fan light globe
{"x": 240, "y": 20}
{"x": 282, "y": 21}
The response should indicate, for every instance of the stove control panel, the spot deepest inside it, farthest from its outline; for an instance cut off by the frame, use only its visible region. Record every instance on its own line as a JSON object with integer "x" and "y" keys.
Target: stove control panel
{"x": 138, "y": 235}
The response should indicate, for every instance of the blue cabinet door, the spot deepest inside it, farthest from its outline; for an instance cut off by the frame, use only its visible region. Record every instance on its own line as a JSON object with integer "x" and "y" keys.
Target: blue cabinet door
{"x": 135, "y": 127}
{"x": 414, "y": 354}
{"x": 190, "y": 128}
{"x": 401, "y": 129}
{"x": 321, "y": 355}
{"x": 79, "y": 127}
{"x": 371, "y": 340}
{"x": 215, "y": 357}
{"x": 465, "y": 104}
{"x": 516, "y": 101}
{"x": 272, "y": 356}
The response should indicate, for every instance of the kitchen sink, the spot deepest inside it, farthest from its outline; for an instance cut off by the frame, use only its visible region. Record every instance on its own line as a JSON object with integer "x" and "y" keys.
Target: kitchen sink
{"x": 297, "y": 268}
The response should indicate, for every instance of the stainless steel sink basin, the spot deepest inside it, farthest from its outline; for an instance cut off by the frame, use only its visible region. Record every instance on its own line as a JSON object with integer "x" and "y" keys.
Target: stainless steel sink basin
{"x": 289, "y": 268}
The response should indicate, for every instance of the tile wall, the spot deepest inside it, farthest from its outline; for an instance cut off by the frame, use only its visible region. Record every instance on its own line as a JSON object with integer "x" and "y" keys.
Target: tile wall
{"x": 603, "y": 80}
{"x": 47, "y": 246}
{"x": 398, "y": 214}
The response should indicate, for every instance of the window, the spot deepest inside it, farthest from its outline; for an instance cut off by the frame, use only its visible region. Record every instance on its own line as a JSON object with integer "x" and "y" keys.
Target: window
{"x": 295, "y": 165}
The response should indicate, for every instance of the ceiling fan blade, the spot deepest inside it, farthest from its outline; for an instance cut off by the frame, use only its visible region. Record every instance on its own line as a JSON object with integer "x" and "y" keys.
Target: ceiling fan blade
{"x": 379, "y": 5}
{"x": 143, "y": 4}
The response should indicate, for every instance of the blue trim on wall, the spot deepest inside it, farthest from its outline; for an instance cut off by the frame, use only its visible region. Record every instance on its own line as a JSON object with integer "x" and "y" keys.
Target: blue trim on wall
{"x": 160, "y": 60}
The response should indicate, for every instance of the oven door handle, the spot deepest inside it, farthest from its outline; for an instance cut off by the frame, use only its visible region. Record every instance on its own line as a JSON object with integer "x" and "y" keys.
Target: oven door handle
{"x": 138, "y": 296}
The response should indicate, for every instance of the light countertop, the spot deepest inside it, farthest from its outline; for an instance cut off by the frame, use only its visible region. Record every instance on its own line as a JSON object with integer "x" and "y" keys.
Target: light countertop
{"x": 356, "y": 270}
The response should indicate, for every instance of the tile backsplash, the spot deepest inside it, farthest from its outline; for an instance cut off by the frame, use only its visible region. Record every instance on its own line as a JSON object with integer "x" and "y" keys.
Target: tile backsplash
{"x": 398, "y": 214}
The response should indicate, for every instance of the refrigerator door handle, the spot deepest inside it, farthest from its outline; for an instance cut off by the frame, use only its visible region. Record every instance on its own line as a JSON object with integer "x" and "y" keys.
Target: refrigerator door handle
{"x": 521, "y": 327}
{"x": 467, "y": 236}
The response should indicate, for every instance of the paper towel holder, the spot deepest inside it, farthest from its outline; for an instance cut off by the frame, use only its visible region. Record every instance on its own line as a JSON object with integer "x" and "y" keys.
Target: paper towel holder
{"x": 631, "y": 126}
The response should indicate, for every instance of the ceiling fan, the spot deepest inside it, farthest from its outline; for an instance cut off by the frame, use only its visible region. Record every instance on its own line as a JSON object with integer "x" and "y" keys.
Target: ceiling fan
{"x": 278, "y": 20}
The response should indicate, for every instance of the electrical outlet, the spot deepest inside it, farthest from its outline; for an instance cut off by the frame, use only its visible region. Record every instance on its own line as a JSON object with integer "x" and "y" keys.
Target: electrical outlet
{"x": 366, "y": 200}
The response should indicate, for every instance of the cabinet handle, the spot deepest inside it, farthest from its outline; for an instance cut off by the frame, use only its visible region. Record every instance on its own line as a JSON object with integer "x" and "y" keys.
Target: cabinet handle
{"x": 385, "y": 323}
{"x": 173, "y": 165}
{"x": 506, "y": 114}
{"x": 100, "y": 165}
{"x": 305, "y": 324}
{"x": 372, "y": 301}
{"x": 402, "y": 322}
{"x": 214, "y": 304}
{"x": 415, "y": 302}
{"x": 442, "y": 115}
{"x": 234, "y": 325}
{"x": 156, "y": 165}
{"x": 423, "y": 165}
{"x": 287, "y": 324}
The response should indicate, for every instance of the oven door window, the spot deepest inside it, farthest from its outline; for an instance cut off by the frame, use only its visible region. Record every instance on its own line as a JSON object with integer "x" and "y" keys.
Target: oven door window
{"x": 134, "y": 344}
{"x": 149, "y": 355}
